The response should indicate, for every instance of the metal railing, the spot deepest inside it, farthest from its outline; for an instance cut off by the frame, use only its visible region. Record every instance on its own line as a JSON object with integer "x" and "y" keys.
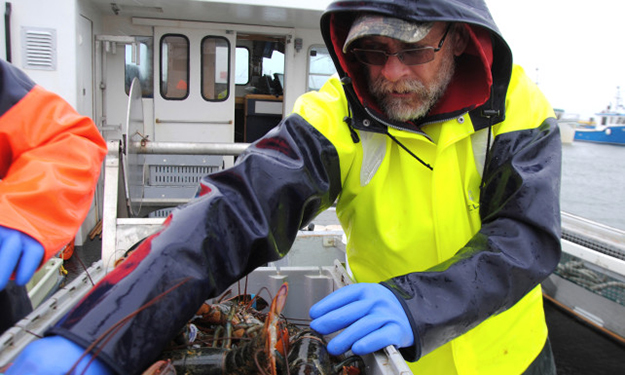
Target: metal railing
{"x": 112, "y": 244}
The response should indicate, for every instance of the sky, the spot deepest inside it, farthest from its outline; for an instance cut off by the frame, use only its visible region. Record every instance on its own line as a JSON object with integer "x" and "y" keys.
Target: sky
{"x": 574, "y": 53}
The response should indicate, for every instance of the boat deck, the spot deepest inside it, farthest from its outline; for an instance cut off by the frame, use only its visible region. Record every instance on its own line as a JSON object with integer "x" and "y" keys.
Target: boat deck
{"x": 83, "y": 257}
{"x": 579, "y": 349}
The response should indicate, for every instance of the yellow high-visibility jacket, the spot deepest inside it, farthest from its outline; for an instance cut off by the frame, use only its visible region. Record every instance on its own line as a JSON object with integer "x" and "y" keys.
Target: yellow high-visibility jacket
{"x": 419, "y": 229}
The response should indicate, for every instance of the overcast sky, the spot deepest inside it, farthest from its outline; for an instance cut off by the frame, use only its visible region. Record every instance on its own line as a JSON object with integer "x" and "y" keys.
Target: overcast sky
{"x": 574, "y": 53}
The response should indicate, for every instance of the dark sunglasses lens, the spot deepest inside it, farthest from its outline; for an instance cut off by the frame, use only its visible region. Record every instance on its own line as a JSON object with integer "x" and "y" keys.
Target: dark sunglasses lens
{"x": 417, "y": 56}
{"x": 371, "y": 57}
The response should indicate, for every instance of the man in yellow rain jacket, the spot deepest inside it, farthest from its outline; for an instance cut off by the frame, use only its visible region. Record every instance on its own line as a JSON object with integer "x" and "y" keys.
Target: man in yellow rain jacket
{"x": 443, "y": 159}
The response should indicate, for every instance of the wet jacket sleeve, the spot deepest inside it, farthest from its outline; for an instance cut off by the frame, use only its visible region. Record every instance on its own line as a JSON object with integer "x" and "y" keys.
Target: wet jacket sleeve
{"x": 50, "y": 160}
{"x": 516, "y": 248}
{"x": 244, "y": 217}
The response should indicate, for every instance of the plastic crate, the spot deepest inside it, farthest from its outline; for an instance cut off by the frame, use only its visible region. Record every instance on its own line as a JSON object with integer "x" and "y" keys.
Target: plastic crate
{"x": 307, "y": 284}
{"x": 45, "y": 281}
{"x": 35, "y": 324}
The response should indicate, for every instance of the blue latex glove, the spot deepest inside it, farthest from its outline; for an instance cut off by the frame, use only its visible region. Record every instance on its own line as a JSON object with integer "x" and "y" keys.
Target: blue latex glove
{"x": 55, "y": 355}
{"x": 19, "y": 253}
{"x": 370, "y": 314}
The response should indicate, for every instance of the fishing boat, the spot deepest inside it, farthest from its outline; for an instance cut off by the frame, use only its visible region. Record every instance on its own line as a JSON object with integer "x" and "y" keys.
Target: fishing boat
{"x": 567, "y": 123}
{"x": 609, "y": 128}
{"x": 179, "y": 89}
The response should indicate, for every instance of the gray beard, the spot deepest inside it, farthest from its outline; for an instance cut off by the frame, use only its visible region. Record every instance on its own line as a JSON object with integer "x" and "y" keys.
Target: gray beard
{"x": 406, "y": 109}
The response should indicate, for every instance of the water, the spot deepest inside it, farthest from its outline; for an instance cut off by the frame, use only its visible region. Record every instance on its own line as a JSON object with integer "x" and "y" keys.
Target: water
{"x": 593, "y": 182}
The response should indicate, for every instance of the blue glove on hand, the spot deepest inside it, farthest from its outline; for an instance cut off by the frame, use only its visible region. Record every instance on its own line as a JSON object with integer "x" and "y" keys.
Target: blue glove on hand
{"x": 371, "y": 315}
{"x": 19, "y": 253}
{"x": 55, "y": 355}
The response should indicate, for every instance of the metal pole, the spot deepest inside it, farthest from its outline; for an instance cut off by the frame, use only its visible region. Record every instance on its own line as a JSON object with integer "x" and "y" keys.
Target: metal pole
{"x": 109, "y": 214}
{"x": 7, "y": 31}
{"x": 169, "y": 148}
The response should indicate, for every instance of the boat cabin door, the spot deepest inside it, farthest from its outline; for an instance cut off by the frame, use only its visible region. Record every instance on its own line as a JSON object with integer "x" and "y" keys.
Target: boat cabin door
{"x": 194, "y": 94}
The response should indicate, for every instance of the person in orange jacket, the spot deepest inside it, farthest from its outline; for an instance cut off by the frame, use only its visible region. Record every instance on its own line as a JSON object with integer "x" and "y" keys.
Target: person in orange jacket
{"x": 50, "y": 160}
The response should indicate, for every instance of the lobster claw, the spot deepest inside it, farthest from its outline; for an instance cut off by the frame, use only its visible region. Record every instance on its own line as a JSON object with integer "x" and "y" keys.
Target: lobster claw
{"x": 161, "y": 368}
{"x": 282, "y": 345}
{"x": 273, "y": 332}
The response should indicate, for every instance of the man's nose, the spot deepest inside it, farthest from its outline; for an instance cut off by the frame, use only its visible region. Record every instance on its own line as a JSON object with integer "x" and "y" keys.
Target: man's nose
{"x": 394, "y": 69}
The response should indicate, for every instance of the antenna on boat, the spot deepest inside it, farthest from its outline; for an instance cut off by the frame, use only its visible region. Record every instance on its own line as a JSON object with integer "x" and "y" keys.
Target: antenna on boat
{"x": 537, "y": 76}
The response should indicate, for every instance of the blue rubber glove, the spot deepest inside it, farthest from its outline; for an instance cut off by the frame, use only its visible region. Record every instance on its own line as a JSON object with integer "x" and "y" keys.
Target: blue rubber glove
{"x": 55, "y": 355}
{"x": 370, "y": 314}
{"x": 19, "y": 253}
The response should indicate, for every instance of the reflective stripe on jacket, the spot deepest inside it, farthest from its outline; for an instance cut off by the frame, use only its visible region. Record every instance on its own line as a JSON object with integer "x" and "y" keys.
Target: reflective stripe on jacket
{"x": 419, "y": 229}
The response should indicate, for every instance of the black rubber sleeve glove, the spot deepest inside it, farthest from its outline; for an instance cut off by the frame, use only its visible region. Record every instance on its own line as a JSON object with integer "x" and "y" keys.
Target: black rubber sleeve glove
{"x": 245, "y": 217}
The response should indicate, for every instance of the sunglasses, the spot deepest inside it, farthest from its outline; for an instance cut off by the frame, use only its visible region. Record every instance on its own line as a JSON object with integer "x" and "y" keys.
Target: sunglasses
{"x": 412, "y": 56}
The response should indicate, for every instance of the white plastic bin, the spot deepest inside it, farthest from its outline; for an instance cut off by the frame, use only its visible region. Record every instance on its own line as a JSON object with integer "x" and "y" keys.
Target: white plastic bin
{"x": 44, "y": 281}
{"x": 307, "y": 284}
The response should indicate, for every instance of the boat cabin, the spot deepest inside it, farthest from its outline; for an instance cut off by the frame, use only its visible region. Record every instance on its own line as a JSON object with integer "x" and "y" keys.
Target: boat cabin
{"x": 210, "y": 72}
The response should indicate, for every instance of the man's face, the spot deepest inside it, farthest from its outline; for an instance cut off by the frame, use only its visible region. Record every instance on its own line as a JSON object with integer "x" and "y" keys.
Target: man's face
{"x": 407, "y": 92}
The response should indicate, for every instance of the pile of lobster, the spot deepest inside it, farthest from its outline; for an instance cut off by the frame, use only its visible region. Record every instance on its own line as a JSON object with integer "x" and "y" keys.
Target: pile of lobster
{"x": 235, "y": 337}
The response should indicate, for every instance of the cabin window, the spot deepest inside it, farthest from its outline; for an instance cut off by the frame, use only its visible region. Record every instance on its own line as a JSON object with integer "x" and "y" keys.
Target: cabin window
{"x": 320, "y": 67}
{"x": 272, "y": 79}
{"x": 215, "y": 68}
{"x": 273, "y": 64}
{"x": 139, "y": 65}
{"x": 242, "y": 68}
{"x": 174, "y": 67}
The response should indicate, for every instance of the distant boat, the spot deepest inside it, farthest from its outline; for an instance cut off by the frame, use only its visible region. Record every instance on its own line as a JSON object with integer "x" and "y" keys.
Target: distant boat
{"x": 567, "y": 124}
{"x": 610, "y": 127}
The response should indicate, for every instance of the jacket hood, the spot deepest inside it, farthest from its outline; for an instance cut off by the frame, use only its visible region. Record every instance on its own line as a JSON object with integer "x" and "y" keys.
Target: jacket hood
{"x": 482, "y": 72}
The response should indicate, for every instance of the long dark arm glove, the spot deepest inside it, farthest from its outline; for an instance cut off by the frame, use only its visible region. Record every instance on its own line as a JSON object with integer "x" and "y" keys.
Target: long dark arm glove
{"x": 246, "y": 216}
{"x": 517, "y": 247}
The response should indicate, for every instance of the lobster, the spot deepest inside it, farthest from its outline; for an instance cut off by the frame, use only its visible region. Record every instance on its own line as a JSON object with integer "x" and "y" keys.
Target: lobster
{"x": 309, "y": 356}
{"x": 242, "y": 344}
{"x": 256, "y": 355}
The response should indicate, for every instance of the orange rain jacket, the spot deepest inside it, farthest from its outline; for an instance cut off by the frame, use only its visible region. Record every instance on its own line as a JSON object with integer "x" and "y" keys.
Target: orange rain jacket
{"x": 50, "y": 160}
